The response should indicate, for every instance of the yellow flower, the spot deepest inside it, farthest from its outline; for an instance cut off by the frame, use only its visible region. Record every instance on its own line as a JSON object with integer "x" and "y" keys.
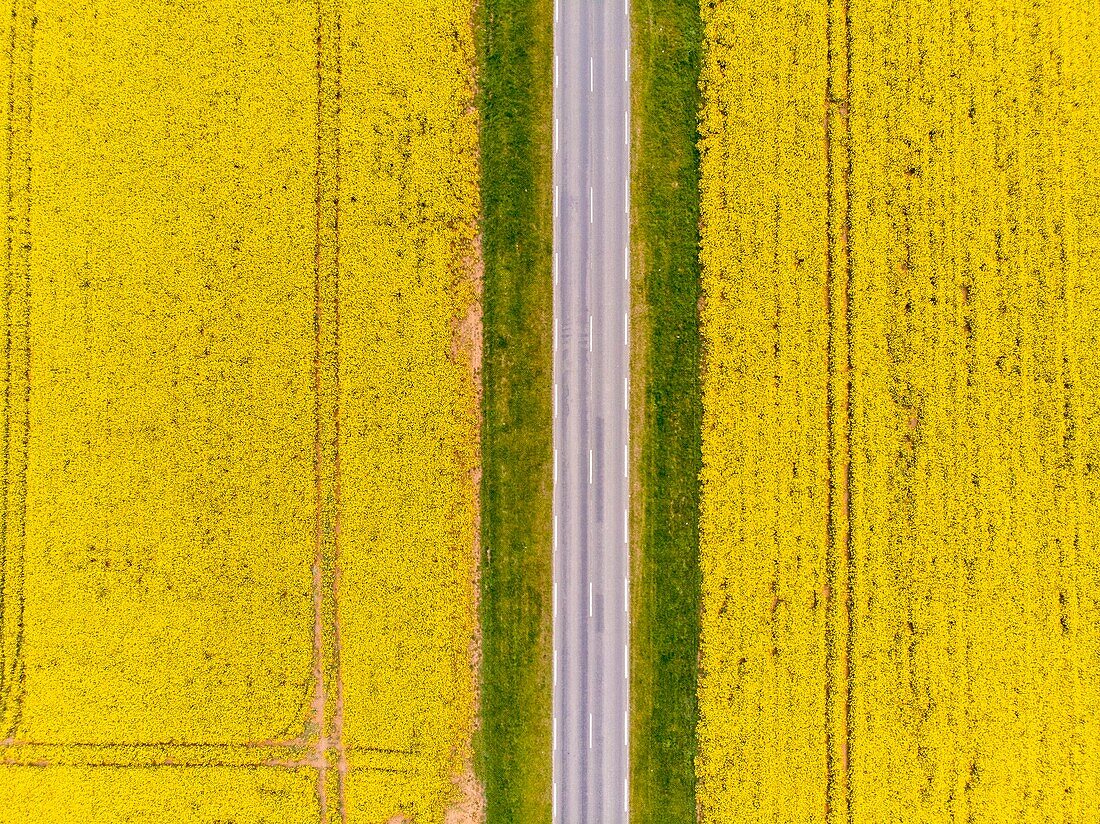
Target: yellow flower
{"x": 162, "y": 443}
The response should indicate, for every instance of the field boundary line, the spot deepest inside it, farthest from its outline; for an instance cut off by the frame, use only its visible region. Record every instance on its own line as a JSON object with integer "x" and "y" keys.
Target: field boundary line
{"x": 11, "y": 670}
{"x": 123, "y": 755}
{"x": 62, "y": 755}
{"x": 318, "y": 620}
{"x": 328, "y": 700}
{"x": 10, "y": 156}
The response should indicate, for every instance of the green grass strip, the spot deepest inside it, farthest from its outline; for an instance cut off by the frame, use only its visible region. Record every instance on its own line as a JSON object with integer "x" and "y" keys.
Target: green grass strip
{"x": 667, "y": 51}
{"x": 514, "y": 743}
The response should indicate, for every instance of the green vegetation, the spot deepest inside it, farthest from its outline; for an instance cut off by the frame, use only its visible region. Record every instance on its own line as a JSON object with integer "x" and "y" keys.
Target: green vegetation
{"x": 667, "y": 409}
{"x": 514, "y": 743}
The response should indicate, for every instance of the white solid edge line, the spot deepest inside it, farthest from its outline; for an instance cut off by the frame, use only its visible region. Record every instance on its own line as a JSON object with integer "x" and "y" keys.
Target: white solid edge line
{"x": 626, "y": 399}
{"x": 555, "y": 733}
{"x": 590, "y": 466}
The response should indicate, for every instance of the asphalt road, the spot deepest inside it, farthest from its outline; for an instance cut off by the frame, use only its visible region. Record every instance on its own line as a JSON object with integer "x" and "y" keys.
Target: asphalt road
{"x": 591, "y": 368}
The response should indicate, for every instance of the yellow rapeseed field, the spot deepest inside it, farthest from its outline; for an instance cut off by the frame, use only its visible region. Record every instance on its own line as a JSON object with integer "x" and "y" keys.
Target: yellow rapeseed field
{"x": 764, "y": 502}
{"x": 901, "y": 554}
{"x": 238, "y": 410}
{"x": 408, "y": 240}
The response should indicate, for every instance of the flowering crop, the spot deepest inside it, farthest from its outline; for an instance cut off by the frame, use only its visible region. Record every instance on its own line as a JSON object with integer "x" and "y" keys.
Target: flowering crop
{"x": 901, "y": 561}
{"x": 239, "y": 411}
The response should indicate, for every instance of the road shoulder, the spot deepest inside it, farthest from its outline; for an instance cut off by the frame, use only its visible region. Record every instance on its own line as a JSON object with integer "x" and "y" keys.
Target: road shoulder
{"x": 666, "y": 409}
{"x": 513, "y": 746}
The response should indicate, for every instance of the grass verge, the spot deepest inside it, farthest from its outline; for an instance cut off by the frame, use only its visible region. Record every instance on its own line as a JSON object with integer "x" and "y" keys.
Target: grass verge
{"x": 667, "y": 409}
{"x": 513, "y": 744}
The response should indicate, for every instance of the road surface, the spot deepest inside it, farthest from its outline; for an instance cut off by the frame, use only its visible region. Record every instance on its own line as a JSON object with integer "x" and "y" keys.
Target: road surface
{"x": 591, "y": 368}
